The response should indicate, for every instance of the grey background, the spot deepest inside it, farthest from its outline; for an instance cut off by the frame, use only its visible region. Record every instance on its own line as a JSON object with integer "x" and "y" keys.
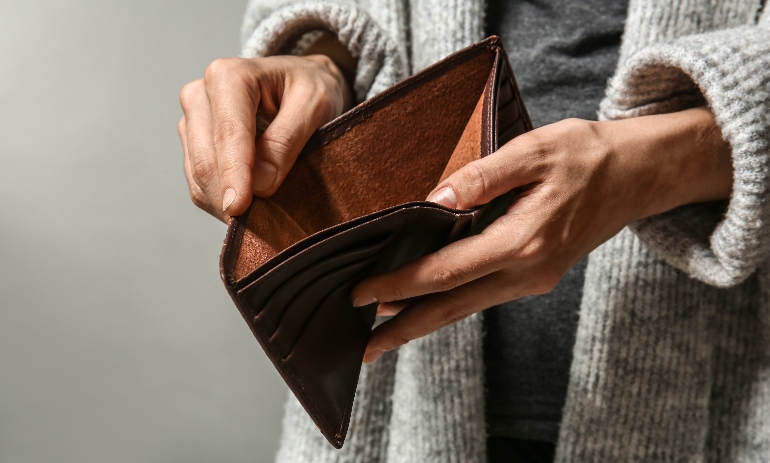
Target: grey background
{"x": 118, "y": 341}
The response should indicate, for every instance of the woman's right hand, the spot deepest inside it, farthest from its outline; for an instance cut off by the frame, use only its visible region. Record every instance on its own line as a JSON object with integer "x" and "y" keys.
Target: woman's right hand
{"x": 223, "y": 163}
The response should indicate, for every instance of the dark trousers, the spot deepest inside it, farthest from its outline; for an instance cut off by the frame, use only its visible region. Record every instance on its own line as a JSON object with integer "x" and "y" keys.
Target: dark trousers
{"x": 507, "y": 450}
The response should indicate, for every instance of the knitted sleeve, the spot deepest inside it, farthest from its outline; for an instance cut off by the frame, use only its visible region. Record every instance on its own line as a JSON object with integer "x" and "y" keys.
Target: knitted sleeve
{"x": 719, "y": 243}
{"x": 277, "y": 27}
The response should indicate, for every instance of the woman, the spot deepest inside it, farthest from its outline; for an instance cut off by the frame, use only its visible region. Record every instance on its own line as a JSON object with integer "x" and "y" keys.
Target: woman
{"x": 671, "y": 355}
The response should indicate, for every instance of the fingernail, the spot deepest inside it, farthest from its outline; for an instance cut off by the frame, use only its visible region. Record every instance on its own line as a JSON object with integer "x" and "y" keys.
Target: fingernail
{"x": 361, "y": 301}
{"x": 445, "y": 196}
{"x": 373, "y": 355}
{"x": 228, "y": 198}
{"x": 264, "y": 176}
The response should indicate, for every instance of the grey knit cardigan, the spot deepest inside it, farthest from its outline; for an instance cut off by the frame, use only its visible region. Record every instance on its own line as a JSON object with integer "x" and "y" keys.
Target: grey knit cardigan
{"x": 672, "y": 358}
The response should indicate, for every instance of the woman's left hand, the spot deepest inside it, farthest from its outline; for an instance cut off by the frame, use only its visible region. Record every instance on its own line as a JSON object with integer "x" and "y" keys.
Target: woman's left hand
{"x": 583, "y": 182}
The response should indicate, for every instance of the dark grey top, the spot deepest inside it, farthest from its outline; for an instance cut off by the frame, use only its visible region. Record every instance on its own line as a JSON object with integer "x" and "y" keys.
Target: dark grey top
{"x": 562, "y": 53}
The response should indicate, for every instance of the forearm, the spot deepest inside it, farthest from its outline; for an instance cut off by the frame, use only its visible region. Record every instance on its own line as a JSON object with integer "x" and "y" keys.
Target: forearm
{"x": 720, "y": 244}
{"x": 675, "y": 159}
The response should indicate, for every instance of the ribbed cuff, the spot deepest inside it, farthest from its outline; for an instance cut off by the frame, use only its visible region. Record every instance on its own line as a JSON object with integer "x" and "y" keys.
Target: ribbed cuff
{"x": 730, "y": 71}
{"x": 380, "y": 65}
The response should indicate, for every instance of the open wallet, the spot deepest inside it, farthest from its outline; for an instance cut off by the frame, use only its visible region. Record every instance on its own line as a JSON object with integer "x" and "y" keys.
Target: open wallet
{"x": 354, "y": 206}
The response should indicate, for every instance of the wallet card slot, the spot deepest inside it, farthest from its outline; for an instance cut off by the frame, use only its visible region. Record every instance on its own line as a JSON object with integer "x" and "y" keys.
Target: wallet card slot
{"x": 514, "y": 130}
{"x": 329, "y": 352}
{"x": 291, "y": 260}
{"x": 505, "y": 93}
{"x": 509, "y": 110}
{"x": 302, "y": 308}
{"x": 275, "y": 306}
{"x": 518, "y": 128}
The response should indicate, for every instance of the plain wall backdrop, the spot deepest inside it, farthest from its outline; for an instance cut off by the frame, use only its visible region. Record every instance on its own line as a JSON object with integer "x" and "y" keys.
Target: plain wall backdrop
{"x": 118, "y": 342}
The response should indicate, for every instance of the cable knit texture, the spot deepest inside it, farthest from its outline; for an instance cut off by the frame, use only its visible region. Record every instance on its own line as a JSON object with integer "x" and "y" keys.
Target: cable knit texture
{"x": 672, "y": 356}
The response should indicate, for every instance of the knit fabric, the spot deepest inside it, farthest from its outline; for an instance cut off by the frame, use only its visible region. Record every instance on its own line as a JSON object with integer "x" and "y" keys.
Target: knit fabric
{"x": 269, "y": 31}
{"x": 672, "y": 355}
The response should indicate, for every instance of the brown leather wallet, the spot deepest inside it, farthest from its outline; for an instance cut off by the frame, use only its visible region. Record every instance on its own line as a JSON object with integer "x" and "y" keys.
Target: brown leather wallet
{"x": 353, "y": 206}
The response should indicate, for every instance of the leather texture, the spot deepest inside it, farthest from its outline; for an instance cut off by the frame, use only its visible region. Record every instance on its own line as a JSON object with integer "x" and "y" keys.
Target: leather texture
{"x": 352, "y": 207}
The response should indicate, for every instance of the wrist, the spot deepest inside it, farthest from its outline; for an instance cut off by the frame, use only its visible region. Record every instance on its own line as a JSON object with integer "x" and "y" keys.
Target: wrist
{"x": 671, "y": 160}
{"x": 343, "y": 63}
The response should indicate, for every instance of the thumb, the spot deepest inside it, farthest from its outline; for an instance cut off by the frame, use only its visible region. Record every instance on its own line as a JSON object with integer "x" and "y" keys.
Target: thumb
{"x": 480, "y": 181}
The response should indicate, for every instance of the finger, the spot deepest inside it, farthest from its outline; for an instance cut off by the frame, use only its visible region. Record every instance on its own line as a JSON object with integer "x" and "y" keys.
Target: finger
{"x": 454, "y": 265}
{"x": 304, "y": 108}
{"x": 388, "y": 309}
{"x": 440, "y": 310}
{"x": 201, "y": 156}
{"x": 481, "y": 181}
{"x": 181, "y": 129}
{"x": 196, "y": 194}
{"x": 232, "y": 88}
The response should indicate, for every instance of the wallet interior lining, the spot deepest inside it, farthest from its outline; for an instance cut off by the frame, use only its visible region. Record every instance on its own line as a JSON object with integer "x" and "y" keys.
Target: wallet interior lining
{"x": 430, "y": 132}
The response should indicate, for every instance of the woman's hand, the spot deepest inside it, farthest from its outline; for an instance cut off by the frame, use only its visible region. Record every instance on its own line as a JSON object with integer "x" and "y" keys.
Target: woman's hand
{"x": 223, "y": 163}
{"x": 583, "y": 182}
